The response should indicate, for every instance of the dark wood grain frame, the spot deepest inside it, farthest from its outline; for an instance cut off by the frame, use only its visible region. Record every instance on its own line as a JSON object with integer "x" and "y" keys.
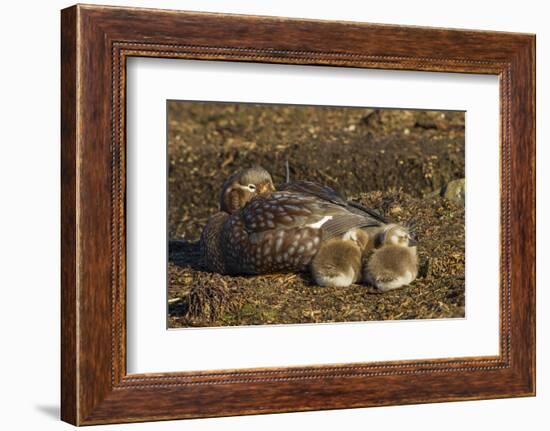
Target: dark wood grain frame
{"x": 96, "y": 42}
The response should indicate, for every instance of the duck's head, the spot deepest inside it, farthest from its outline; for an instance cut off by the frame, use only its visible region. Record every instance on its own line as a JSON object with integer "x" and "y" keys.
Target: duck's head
{"x": 395, "y": 234}
{"x": 242, "y": 186}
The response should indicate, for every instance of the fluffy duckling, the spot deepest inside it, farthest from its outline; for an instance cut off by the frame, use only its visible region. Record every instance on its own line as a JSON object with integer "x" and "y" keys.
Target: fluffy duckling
{"x": 339, "y": 260}
{"x": 395, "y": 263}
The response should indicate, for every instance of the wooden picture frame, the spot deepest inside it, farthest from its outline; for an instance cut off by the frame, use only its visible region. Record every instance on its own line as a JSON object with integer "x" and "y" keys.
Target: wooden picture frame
{"x": 95, "y": 43}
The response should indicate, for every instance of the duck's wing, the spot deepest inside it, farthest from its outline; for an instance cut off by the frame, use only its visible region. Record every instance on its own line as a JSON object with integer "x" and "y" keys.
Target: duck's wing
{"x": 283, "y": 210}
{"x": 328, "y": 194}
{"x": 273, "y": 232}
{"x": 343, "y": 223}
{"x": 315, "y": 189}
{"x": 290, "y": 210}
{"x": 357, "y": 208}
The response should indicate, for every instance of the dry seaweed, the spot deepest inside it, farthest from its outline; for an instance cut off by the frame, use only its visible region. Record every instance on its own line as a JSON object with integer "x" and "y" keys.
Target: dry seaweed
{"x": 394, "y": 161}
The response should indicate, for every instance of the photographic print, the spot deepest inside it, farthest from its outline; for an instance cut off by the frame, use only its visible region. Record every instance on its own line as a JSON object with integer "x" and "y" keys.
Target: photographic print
{"x": 290, "y": 214}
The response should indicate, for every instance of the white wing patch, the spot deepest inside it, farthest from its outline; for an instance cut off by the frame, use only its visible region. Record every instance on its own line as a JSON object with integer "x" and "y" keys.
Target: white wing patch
{"x": 320, "y": 223}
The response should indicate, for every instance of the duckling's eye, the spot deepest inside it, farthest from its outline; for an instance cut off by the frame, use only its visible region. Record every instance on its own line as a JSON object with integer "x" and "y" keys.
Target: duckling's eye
{"x": 252, "y": 187}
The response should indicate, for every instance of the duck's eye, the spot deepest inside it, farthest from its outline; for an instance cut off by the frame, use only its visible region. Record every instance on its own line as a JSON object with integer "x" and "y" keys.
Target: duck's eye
{"x": 252, "y": 187}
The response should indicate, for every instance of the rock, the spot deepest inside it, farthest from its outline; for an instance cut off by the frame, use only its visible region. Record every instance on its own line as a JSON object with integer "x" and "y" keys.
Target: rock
{"x": 455, "y": 191}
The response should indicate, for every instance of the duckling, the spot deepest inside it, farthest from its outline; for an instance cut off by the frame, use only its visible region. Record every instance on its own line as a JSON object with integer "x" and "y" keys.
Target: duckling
{"x": 395, "y": 263}
{"x": 338, "y": 262}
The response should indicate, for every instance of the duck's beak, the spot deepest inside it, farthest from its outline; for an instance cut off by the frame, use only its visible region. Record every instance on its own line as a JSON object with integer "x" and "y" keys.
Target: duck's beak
{"x": 413, "y": 242}
{"x": 266, "y": 187}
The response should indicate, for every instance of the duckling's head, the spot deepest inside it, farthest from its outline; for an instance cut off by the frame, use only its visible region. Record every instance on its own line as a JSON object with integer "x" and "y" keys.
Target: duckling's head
{"x": 395, "y": 234}
{"x": 242, "y": 186}
{"x": 359, "y": 236}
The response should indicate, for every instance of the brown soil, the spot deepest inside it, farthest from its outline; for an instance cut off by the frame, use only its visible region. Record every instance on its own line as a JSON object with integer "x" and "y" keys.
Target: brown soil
{"x": 393, "y": 160}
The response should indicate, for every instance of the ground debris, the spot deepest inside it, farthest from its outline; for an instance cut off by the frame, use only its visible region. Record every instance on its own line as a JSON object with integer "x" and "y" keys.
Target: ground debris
{"x": 393, "y": 161}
